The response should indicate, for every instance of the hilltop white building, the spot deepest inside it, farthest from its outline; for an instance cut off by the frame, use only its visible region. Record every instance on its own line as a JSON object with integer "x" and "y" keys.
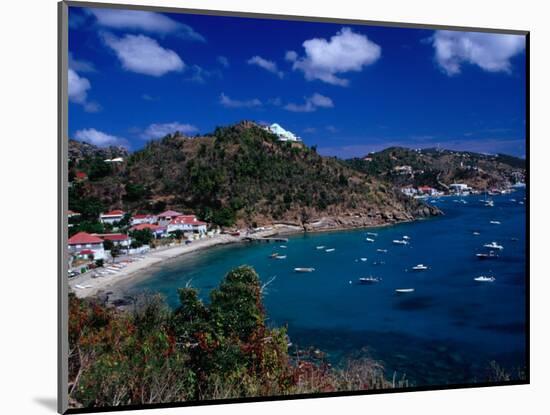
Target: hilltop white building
{"x": 283, "y": 134}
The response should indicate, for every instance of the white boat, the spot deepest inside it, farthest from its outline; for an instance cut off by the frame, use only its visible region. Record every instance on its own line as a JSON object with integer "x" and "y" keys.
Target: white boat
{"x": 494, "y": 222}
{"x": 513, "y": 200}
{"x": 364, "y": 259}
{"x": 494, "y": 245}
{"x": 368, "y": 280}
{"x": 369, "y": 240}
{"x": 489, "y": 203}
{"x": 420, "y": 267}
{"x": 400, "y": 242}
{"x": 382, "y": 250}
{"x": 304, "y": 269}
{"x": 404, "y": 290}
{"x": 483, "y": 278}
{"x": 476, "y": 233}
{"x": 82, "y": 287}
{"x": 282, "y": 246}
{"x": 406, "y": 237}
{"x": 320, "y": 247}
{"x": 520, "y": 202}
{"x": 280, "y": 257}
{"x": 330, "y": 250}
{"x": 490, "y": 255}
{"x": 372, "y": 234}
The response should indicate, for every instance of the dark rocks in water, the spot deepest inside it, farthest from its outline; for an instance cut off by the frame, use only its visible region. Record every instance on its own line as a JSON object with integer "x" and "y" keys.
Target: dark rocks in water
{"x": 121, "y": 302}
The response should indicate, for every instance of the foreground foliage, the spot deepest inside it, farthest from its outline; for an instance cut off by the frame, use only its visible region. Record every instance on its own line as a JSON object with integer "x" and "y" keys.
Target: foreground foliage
{"x": 222, "y": 349}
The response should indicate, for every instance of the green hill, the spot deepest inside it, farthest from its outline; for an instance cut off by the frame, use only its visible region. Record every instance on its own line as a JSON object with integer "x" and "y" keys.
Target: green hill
{"x": 242, "y": 175}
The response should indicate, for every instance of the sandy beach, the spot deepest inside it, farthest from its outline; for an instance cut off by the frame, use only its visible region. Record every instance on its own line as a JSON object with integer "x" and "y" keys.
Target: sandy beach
{"x": 86, "y": 285}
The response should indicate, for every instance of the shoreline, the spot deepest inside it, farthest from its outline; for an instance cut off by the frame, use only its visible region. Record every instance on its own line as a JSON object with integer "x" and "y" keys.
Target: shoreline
{"x": 86, "y": 285}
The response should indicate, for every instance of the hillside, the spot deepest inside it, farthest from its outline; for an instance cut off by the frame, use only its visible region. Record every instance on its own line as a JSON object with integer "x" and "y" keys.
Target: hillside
{"x": 439, "y": 168}
{"x": 243, "y": 175}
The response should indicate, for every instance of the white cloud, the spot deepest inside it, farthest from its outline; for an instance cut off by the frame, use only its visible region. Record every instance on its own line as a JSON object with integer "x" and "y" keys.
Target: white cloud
{"x": 490, "y": 51}
{"x": 311, "y": 104}
{"x": 234, "y": 103}
{"x": 143, "y": 20}
{"x": 144, "y": 55}
{"x": 291, "y": 56}
{"x": 269, "y": 66}
{"x": 80, "y": 65}
{"x": 161, "y": 130}
{"x": 346, "y": 51}
{"x": 223, "y": 61}
{"x": 99, "y": 138}
{"x": 78, "y": 87}
{"x": 78, "y": 91}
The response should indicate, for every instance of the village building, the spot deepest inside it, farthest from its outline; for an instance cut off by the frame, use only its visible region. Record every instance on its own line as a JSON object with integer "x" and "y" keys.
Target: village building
{"x": 283, "y": 134}
{"x": 112, "y": 217}
{"x": 403, "y": 169}
{"x": 84, "y": 245}
{"x": 409, "y": 191}
{"x": 143, "y": 218}
{"x": 460, "y": 188}
{"x": 165, "y": 217}
{"x": 157, "y": 230}
{"x": 187, "y": 223}
{"x": 118, "y": 239}
{"x": 427, "y": 190}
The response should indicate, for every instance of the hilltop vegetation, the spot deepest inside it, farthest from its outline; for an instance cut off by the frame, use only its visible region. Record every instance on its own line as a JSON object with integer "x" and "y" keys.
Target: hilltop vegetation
{"x": 243, "y": 175}
{"x": 439, "y": 168}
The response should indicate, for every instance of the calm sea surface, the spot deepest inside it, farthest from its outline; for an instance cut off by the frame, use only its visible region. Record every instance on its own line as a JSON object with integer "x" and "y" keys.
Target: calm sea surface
{"x": 445, "y": 332}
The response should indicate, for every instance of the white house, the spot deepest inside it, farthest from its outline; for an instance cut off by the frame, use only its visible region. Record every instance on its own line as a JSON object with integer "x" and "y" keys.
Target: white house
{"x": 143, "y": 218}
{"x": 165, "y": 217}
{"x": 187, "y": 223}
{"x": 459, "y": 188}
{"x": 112, "y": 217}
{"x": 118, "y": 239}
{"x": 83, "y": 244}
{"x": 283, "y": 134}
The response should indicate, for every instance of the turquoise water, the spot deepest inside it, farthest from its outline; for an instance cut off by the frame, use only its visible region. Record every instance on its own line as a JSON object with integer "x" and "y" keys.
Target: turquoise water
{"x": 445, "y": 332}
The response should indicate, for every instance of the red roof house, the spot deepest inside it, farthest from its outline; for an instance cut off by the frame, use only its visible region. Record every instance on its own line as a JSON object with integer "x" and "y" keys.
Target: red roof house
{"x": 83, "y": 238}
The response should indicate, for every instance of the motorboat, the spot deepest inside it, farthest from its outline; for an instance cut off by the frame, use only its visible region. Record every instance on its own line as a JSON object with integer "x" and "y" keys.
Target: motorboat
{"x": 364, "y": 259}
{"x": 406, "y": 237}
{"x": 494, "y": 245}
{"x": 330, "y": 250}
{"x": 382, "y": 250}
{"x": 368, "y": 280}
{"x": 400, "y": 242}
{"x": 372, "y": 234}
{"x": 420, "y": 267}
{"x": 483, "y": 278}
{"x": 494, "y": 222}
{"x": 404, "y": 290}
{"x": 304, "y": 269}
{"x": 283, "y": 246}
{"x": 280, "y": 257}
{"x": 369, "y": 240}
{"x": 490, "y": 255}
{"x": 476, "y": 233}
{"x": 320, "y": 247}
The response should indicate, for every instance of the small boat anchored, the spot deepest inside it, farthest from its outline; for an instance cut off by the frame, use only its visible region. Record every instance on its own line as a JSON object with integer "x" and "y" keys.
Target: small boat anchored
{"x": 490, "y": 255}
{"x": 363, "y": 259}
{"x": 494, "y": 222}
{"x": 494, "y": 245}
{"x": 372, "y": 234}
{"x": 400, "y": 242}
{"x": 280, "y": 257}
{"x": 382, "y": 250}
{"x": 420, "y": 267}
{"x": 404, "y": 290}
{"x": 330, "y": 250}
{"x": 369, "y": 240}
{"x": 483, "y": 278}
{"x": 304, "y": 269}
{"x": 368, "y": 280}
{"x": 320, "y": 247}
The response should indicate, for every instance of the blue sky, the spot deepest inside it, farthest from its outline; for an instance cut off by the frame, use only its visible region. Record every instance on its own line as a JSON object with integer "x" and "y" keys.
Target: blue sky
{"x": 349, "y": 89}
